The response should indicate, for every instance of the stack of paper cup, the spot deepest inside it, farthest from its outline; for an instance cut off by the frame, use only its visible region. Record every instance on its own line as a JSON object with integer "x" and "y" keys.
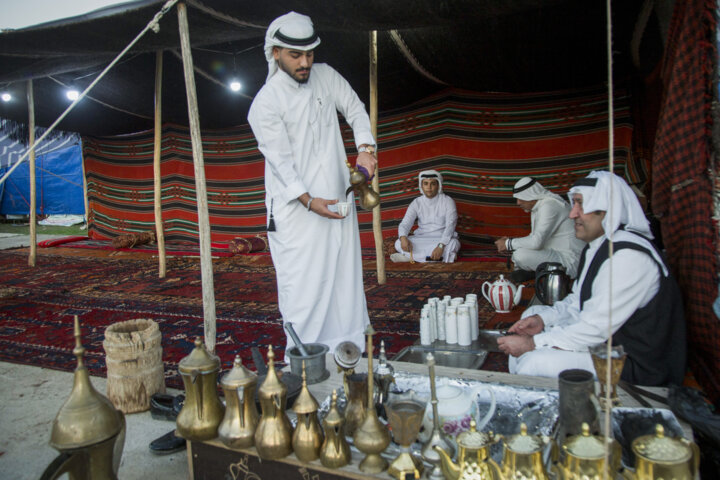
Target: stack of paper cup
{"x": 471, "y": 301}
{"x": 464, "y": 335}
{"x": 425, "y": 328}
{"x": 446, "y": 299}
{"x": 451, "y": 325}
{"x": 441, "y": 306}
{"x": 457, "y": 301}
{"x": 439, "y": 321}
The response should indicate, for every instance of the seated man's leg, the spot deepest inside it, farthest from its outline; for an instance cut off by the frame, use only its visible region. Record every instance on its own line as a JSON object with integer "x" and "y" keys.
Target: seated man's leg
{"x": 549, "y": 362}
{"x": 451, "y": 250}
{"x": 526, "y": 259}
{"x": 401, "y": 255}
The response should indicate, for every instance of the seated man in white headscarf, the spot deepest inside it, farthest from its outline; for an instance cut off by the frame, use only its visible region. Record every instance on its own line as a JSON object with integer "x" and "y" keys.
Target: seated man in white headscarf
{"x": 552, "y": 236}
{"x": 435, "y": 238}
{"x": 630, "y": 295}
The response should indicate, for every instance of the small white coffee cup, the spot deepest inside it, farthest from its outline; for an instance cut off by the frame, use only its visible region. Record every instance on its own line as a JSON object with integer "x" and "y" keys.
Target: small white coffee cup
{"x": 342, "y": 208}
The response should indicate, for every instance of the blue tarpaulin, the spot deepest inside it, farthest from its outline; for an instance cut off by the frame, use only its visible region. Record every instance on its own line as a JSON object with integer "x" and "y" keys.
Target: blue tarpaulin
{"x": 59, "y": 185}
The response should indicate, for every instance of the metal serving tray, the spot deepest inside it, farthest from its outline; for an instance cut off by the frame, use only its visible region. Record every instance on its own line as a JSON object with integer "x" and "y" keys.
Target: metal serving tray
{"x": 471, "y": 357}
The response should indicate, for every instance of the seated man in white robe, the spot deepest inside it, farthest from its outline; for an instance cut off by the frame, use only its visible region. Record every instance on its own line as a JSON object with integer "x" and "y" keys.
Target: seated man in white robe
{"x": 435, "y": 238}
{"x": 625, "y": 291}
{"x": 552, "y": 236}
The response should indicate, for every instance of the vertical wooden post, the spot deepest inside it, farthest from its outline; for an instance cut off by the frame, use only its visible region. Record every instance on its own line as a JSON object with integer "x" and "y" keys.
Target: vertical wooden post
{"x": 206, "y": 268}
{"x": 33, "y": 193}
{"x": 377, "y": 219}
{"x": 85, "y": 192}
{"x": 157, "y": 174}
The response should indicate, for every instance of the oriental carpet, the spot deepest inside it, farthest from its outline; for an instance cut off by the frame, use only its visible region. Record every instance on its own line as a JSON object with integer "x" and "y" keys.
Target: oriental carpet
{"x": 37, "y": 305}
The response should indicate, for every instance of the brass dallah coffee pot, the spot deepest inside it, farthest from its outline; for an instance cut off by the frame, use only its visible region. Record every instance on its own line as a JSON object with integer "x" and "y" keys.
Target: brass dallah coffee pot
{"x": 88, "y": 431}
{"x": 308, "y": 436}
{"x": 584, "y": 457}
{"x": 473, "y": 462}
{"x": 368, "y": 197}
{"x": 237, "y": 429}
{"x": 202, "y": 410}
{"x": 660, "y": 457}
{"x": 523, "y": 457}
{"x": 335, "y": 451}
{"x": 273, "y": 436}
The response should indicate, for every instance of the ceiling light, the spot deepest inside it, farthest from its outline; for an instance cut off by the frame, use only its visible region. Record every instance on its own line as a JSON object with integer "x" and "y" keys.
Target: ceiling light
{"x": 6, "y": 97}
{"x": 72, "y": 94}
{"x": 235, "y": 86}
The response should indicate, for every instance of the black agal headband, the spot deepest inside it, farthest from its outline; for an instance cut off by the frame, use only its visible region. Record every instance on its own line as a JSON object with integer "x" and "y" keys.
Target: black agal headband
{"x": 298, "y": 42}
{"x": 524, "y": 187}
{"x": 585, "y": 182}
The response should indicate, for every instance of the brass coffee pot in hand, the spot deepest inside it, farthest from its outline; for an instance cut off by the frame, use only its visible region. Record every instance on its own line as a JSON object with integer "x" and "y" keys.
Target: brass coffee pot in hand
{"x": 368, "y": 197}
{"x": 237, "y": 429}
{"x": 273, "y": 436}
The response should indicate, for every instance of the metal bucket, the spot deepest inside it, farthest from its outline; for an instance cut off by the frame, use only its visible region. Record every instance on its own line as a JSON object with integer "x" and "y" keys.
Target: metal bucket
{"x": 314, "y": 362}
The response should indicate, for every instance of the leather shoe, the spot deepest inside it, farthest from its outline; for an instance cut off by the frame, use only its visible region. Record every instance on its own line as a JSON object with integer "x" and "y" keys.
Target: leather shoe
{"x": 168, "y": 443}
{"x": 166, "y": 407}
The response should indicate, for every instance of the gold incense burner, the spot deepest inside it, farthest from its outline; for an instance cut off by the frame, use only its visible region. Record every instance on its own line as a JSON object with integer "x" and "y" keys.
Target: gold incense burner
{"x": 585, "y": 457}
{"x": 88, "y": 431}
{"x": 523, "y": 456}
{"x": 202, "y": 410}
{"x": 660, "y": 457}
{"x": 617, "y": 362}
{"x": 273, "y": 436}
{"x": 237, "y": 429}
{"x": 405, "y": 414}
{"x": 308, "y": 436}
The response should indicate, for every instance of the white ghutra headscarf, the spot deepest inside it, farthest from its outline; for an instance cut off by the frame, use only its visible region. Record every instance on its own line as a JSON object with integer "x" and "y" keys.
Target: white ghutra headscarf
{"x": 529, "y": 189}
{"x": 600, "y": 190}
{"x": 433, "y": 174}
{"x": 292, "y": 30}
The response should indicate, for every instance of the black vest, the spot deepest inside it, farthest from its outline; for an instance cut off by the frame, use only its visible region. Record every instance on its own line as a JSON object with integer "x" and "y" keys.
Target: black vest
{"x": 654, "y": 337}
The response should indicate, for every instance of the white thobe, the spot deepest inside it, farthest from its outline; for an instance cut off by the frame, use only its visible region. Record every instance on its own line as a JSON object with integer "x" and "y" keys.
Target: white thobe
{"x": 317, "y": 260}
{"x": 569, "y": 331}
{"x": 552, "y": 238}
{"x": 437, "y": 219}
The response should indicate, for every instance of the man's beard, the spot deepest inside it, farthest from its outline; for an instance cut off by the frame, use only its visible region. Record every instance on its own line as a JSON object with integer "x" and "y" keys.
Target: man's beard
{"x": 296, "y": 74}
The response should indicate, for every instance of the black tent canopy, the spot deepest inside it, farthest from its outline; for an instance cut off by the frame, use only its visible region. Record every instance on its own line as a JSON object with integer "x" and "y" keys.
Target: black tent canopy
{"x": 423, "y": 46}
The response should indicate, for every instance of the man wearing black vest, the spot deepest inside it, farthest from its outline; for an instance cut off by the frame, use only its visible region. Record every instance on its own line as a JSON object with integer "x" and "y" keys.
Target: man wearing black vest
{"x": 631, "y": 293}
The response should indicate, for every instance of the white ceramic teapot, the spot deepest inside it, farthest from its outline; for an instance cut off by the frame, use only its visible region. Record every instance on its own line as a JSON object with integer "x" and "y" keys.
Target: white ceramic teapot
{"x": 456, "y": 407}
{"x": 501, "y": 294}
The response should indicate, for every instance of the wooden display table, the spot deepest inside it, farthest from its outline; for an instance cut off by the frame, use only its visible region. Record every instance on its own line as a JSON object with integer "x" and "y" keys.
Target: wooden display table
{"x": 211, "y": 460}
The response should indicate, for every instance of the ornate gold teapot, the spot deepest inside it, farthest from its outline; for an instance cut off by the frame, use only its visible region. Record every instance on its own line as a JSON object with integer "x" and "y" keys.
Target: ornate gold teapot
{"x": 474, "y": 462}
{"x": 237, "y": 429}
{"x": 523, "y": 457}
{"x": 202, "y": 411}
{"x": 584, "y": 457}
{"x": 660, "y": 457}
{"x": 273, "y": 436}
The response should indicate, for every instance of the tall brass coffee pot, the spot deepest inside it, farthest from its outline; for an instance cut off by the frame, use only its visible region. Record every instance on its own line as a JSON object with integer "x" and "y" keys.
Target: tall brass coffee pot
{"x": 584, "y": 457}
{"x": 335, "y": 451}
{"x": 202, "y": 411}
{"x": 660, "y": 457}
{"x": 237, "y": 429}
{"x": 88, "y": 431}
{"x": 474, "y": 462}
{"x": 273, "y": 436}
{"x": 368, "y": 197}
{"x": 356, "y": 393}
{"x": 307, "y": 437}
{"x": 523, "y": 457}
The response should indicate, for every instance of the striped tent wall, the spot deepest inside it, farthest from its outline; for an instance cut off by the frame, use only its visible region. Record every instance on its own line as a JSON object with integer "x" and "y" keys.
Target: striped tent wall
{"x": 481, "y": 143}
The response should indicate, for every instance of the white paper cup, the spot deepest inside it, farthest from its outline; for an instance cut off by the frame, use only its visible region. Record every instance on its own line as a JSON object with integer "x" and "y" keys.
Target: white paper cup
{"x": 342, "y": 208}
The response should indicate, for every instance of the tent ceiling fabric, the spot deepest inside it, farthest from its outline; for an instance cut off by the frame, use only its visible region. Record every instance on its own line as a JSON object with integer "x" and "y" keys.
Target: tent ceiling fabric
{"x": 481, "y": 45}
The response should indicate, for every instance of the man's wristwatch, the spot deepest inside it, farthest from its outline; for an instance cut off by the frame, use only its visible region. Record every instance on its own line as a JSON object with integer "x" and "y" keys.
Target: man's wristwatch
{"x": 367, "y": 148}
{"x": 441, "y": 245}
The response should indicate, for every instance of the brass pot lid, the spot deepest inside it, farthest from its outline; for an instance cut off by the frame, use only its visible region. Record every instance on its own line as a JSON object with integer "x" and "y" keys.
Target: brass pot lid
{"x": 472, "y": 439}
{"x": 333, "y": 418}
{"x": 658, "y": 448}
{"x": 199, "y": 361}
{"x": 238, "y": 376}
{"x": 585, "y": 446}
{"x": 305, "y": 402}
{"x": 271, "y": 385}
{"x": 523, "y": 443}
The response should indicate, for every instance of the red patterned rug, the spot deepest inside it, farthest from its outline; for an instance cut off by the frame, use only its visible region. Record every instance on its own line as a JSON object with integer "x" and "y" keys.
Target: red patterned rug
{"x": 37, "y": 306}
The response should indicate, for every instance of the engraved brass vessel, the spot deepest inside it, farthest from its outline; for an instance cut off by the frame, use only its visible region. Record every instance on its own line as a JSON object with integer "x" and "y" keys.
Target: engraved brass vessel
{"x": 405, "y": 414}
{"x": 335, "y": 451}
{"x": 372, "y": 436}
{"x": 202, "y": 410}
{"x": 368, "y": 197}
{"x": 437, "y": 437}
{"x": 474, "y": 462}
{"x": 308, "y": 436}
{"x": 660, "y": 457}
{"x": 584, "y": 457}
{"x": 88, "y": 431}
{"x": 523, "y": 456}
{"x": 600, "y": 362}
{"x": 356, "y": 393}
{"x": 273, "y": 436}
{"x": 237, "y": 429}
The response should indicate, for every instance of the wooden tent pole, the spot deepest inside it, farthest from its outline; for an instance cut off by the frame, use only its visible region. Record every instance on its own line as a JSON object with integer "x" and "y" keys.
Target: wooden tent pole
{"x": 206, "y": 268}
{"x": 33, "y": 201}
{"x": 377, "y": 219}
{"x": 157, "y": 174}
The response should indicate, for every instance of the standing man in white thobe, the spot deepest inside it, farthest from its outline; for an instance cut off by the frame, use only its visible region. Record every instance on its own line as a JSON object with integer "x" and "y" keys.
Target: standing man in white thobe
{"x": 552, "y": 236}
{"x": 435, "y": 239}
{"x": 316, "y": 251}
